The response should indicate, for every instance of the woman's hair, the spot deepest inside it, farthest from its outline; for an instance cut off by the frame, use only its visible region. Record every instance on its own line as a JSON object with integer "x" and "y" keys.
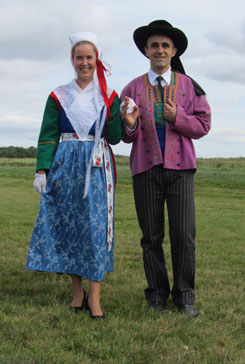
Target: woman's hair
{"x": 81, "y": 42}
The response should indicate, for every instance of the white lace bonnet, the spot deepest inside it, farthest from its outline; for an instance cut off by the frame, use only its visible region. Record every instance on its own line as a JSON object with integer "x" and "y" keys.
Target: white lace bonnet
{"x": 101, "y": 66}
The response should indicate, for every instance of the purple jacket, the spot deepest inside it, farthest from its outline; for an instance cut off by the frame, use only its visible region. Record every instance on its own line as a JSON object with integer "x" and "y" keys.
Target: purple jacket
{"x": 193, "y": 121}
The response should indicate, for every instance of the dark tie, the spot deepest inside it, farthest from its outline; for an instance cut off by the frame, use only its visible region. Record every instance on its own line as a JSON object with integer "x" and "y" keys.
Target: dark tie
{"x": 159, "y": 79}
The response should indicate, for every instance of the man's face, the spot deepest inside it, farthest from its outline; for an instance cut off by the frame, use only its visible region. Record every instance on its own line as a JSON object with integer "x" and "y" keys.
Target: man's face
{"x": 160, "y": 49}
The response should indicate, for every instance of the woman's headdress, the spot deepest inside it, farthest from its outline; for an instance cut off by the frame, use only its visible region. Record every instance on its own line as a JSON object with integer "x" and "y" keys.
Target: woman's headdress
{"x": 100, "y": 67}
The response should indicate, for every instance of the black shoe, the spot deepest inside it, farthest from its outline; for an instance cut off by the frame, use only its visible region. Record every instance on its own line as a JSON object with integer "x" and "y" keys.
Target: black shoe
{"x": 87, "y": 307}
{"x": 156, "y": 306}
{"x": 188, "y": 310}
{"x": 82, "y": 307}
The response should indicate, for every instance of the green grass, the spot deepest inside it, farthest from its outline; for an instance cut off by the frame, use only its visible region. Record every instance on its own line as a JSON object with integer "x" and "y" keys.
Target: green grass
{"x": 37, "y": 326}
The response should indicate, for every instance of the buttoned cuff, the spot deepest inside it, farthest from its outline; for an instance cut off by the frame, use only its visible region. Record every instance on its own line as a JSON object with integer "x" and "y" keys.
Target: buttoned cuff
{"x": 131, "y": 130}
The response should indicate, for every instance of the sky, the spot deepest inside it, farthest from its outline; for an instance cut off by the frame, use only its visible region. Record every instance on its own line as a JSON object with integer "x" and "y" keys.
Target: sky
{"x": 35, "y": 59}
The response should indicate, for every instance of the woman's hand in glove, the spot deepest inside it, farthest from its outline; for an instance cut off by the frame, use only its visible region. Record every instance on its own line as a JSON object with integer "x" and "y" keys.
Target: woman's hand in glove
{"x": 40, "y": 182}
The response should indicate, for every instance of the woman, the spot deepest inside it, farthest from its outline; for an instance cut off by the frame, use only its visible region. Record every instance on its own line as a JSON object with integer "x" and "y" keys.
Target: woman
{"x": 73, "y": 233}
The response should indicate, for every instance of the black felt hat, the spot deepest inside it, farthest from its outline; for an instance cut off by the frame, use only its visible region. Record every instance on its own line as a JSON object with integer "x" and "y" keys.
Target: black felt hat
{"x": 178, "y": 37}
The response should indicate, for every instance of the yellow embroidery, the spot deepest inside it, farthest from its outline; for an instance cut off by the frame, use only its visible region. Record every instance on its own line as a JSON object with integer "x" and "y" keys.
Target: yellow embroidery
{"x": 50, "y": 142}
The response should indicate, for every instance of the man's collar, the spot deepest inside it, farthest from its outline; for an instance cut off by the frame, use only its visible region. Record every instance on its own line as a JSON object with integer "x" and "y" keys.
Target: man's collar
{"x": 153, "y": 75}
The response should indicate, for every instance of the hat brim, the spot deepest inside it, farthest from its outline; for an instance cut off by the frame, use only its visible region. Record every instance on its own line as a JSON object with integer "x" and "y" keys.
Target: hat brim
{"x": 142, "y": 34}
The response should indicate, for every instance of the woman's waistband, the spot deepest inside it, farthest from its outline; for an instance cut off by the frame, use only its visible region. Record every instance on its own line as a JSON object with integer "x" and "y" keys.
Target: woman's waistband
{"x": 66, "y": 137}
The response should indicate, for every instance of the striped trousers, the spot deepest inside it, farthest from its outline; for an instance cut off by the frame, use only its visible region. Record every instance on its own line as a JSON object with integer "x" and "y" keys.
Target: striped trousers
{"x": 151, "y": 189}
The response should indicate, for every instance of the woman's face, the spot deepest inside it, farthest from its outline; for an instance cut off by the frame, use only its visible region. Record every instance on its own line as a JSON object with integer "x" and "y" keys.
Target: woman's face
{"x": 84, "y": 60}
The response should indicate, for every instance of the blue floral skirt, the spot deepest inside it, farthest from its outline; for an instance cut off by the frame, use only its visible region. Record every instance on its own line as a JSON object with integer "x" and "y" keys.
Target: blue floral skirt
{"x": 70, "y": 233}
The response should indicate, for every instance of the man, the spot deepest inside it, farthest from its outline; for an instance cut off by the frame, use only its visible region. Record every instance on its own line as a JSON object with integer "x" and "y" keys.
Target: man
{"x": 172, "y": 110}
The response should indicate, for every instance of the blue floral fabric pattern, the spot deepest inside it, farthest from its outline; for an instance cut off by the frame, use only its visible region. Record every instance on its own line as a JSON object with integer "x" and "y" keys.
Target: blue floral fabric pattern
{"x": 70, "y": 233}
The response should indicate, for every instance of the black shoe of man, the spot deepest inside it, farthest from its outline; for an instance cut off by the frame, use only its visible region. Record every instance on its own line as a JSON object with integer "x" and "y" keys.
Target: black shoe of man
{"x": 188, "y": 310}
{"x": 156, "y": 306}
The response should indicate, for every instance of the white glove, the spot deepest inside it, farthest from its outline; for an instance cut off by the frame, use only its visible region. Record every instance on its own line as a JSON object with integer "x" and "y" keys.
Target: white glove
{"x": 130, "y": 106}
{"x": 40, "y": 182}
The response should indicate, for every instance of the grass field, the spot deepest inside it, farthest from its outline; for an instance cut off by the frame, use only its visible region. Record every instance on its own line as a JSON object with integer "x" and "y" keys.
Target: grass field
{"x": 37, "y": 326}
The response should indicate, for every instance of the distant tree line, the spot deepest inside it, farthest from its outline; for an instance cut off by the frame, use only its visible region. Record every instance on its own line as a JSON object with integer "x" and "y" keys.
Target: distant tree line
{"x": 18, "y": 152}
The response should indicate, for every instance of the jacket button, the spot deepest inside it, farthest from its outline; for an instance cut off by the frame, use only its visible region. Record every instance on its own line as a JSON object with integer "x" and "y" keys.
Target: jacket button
{"x": 178, "y": 164}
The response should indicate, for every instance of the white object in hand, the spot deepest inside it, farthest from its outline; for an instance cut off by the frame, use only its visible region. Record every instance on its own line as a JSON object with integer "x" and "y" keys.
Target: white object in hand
{"x": 131, "y": 106}
{"x": 40, "y": 182}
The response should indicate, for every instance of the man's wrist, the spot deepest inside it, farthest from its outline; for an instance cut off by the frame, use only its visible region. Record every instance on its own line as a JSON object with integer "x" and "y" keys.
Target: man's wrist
{"x": 132, "y": 129}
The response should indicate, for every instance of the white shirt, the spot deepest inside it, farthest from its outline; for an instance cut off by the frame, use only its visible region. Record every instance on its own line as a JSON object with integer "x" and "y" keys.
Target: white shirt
{"x": 166, "y": 77}
{"x": 153, "y": 81}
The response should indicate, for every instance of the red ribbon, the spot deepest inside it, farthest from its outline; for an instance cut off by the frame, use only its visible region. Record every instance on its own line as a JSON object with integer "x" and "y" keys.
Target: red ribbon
{"x": 102, "y": 83}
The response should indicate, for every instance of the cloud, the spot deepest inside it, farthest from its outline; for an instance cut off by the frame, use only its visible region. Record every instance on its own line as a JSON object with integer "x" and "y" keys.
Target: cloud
{"x": 34, "y": 58}
{"x": 17, "y": 122}
{"x": 229, "y": 135}
{"x": 219, "y": 53}
{"x": 223, "y": 67}
{"x": 221, "y": 142}
{"x": 228, "y": 37}
{"x": 19, "y": 130}
{"x": 31, "y": 32}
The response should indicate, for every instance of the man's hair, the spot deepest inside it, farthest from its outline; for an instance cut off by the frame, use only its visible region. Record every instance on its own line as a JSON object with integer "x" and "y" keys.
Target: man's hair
{"x": 159, "y": 34}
